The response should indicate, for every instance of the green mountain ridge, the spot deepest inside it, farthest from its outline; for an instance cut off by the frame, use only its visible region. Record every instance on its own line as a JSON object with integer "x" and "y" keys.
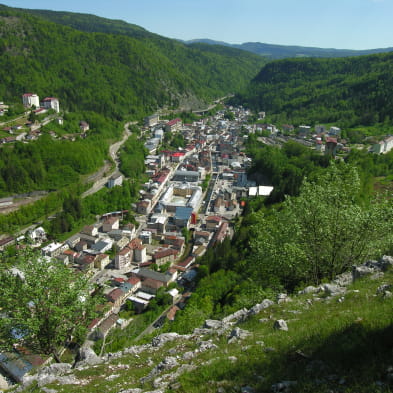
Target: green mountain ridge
{"x": 112, "y": 68}
{"x": 275, "y": 52}
{"x": 350, "y": 91}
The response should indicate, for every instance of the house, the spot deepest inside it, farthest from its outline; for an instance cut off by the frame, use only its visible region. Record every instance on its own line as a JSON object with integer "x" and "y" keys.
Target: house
{"x": 151, "y": 120}
{"x": 138, "y": 249}
{"x": 90, "y": 230}
{"x": 121, "y": 243}
{"x": 202, "y": 237}
{"x": 158, "y": 221}
{"x": 90, "y": 240}
{"x": 304, "y": 131}
{"x": 164, "y": 255}
{"x": 84, "y": 126}
{"x": 143, "y": 207}
{"x": 102, "y": 246}
{"x": 186, "y": 263}
{"x": 81, "y": 246}
{"x": 116, "y": 297}
{"x": 123, "y": 258}
{"x": 85, "y": 262}
{"x": 151, "y": 285}
{"x": 334, "y": 131}
{"x": 101, "y": 261}
{"x": 31, "y": 99}
{"x": 331, "y": 147}
{"x": 54, "y": 249}
{"x": 115, "y": 180}
{"x": 213, "y": 222}
{"x": 177, "y": 243}
{"x": 173, "y": 125}
{"x": 71, "y": 255}
{"x": 221, "y": 233}
{"x": 110, "y": 224}
{"x": 383, "y": 146}
{"x": 51, "y": 103}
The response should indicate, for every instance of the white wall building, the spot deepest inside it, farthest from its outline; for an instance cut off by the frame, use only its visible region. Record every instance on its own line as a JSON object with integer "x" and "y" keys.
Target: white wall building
{"x": 51, "y": 103}
{"x": 30, "y": 99}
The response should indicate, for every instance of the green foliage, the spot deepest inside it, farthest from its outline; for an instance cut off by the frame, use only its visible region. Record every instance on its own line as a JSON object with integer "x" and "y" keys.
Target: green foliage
{"x": 284, "y": 168}
{"x": 349, "y": 91}
{"x": 114, "y": 68}
{"x": 46, "y": 307}
{"x": 132, "y": 158}
{"x": 321, "y": 233}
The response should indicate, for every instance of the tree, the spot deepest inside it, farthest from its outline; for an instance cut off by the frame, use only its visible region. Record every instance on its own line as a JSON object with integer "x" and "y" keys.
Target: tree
{"x": 46, "y": 303}
{"x": 321, "y": 233}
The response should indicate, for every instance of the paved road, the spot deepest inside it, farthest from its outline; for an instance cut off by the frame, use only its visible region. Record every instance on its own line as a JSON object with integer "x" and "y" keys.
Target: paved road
{"x": 100, "y": 175}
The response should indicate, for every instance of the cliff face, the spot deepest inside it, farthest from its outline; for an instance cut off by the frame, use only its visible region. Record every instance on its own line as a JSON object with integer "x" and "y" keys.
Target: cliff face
{"x": 332, "y": 338}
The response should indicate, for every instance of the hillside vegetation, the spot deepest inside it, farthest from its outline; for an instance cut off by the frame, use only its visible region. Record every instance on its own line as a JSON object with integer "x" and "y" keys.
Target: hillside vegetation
{"x": 350, "y": 91}
{"x": 329, "y": 342}
{"x": 110, "y": 70}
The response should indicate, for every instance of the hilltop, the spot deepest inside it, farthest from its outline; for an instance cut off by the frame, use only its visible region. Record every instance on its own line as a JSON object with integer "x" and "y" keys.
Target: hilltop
{"x": 111, "y": 67}
{"x": 351, "y": 91}
{"x": 275, "y": 52}
{"x": 333, "y": 338}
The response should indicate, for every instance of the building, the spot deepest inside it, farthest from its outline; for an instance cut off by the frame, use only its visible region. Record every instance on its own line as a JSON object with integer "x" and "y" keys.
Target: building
{"x": 123, "y": 258}
{"x": 143, "y": 207}
{"x": 51, "y": 103}
{"x": 152, "y": 120}
{"x": 331, "y": 147}
{"x": 31, "y": 99}
{"x": 84, "y": 126}
{"x": 173, "y": 125}
{"x": 183, "y": 216}
{"x": 115, "y": 180}
{"x": 110, "y": 224}
{"x": 186, "y": 176}
{"x": 383, "y": 146}
{"x": 164, "y": 255}
{"x": 54, "y": 249}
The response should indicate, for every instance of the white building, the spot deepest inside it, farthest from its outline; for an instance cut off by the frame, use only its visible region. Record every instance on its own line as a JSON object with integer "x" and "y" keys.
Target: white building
{"x": 51, "y": 103}
{"x": 30, "y": 99}
{"x": 383, "y": 146}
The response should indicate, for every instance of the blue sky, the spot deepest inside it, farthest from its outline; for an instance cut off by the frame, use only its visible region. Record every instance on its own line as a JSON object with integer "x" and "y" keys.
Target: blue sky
{"x": 346, "y": 24}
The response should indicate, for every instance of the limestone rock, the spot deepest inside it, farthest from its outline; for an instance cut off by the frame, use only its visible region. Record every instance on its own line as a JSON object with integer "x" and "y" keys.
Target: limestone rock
{"x": 280, "y": 324}
{"x": 166, "y": 337}
{"x": 213, "y": 324}
{"x": 266, "y": 303}
{"x": 239, "y": 315}
{"x": 56, "y": 369}
{"x": 308, "y": 290}
{"x": 283, "y": 298}
{"x": 238, "y": 334}
{"x": 284, "y": 386}
{"x": 86, "y": 356}
{"x": 361, "y": 271}
{"x": 332, "y": 289}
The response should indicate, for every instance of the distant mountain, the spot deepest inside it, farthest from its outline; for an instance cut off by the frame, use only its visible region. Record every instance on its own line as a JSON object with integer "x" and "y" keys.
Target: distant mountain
{"x": 111, "y": 67}
{"x": 275, "y": 52}
{"x": 352, "y": 91}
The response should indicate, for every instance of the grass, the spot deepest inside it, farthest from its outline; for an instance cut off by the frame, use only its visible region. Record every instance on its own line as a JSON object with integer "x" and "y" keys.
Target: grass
{"x": 341, "y": 344}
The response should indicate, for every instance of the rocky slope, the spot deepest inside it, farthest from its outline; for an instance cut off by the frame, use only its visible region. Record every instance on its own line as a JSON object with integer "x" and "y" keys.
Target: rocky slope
{"x": 333, "y": 338}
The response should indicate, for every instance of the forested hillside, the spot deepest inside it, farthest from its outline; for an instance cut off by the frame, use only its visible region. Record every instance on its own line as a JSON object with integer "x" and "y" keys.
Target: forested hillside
{"x": 351, "y": 91}
{"x": 111, "y": 73}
